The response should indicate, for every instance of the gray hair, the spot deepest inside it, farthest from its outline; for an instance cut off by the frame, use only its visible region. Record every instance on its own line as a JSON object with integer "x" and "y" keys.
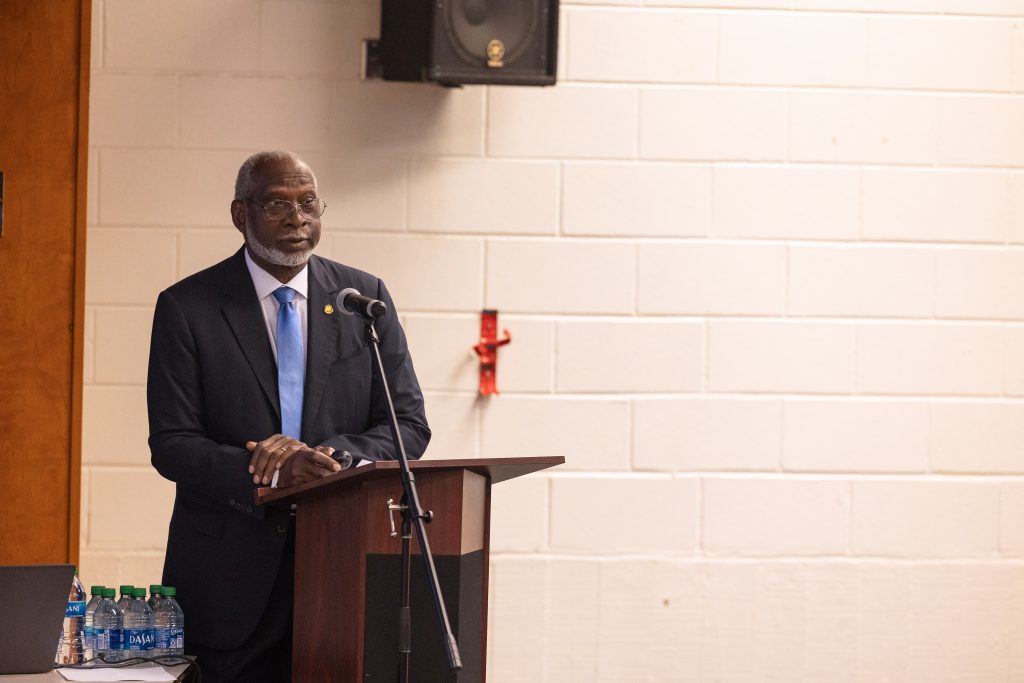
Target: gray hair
{"x": 245, "y": 184}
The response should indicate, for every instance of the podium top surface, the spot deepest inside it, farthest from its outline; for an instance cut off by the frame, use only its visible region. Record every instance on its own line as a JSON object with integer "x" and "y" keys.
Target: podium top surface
{"x": 495, "y": 469}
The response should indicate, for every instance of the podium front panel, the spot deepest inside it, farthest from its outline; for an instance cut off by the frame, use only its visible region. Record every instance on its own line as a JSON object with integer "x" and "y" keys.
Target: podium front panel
{"x": 348, "y": 591}
{"x": 457, "y": 499}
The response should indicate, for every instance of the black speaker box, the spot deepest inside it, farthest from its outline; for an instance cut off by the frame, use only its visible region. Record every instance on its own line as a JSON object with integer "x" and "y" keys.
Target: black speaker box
{"x": 457, "y": 42}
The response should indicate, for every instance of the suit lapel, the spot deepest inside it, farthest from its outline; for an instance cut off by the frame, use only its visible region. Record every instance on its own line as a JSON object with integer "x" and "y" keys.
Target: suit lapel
{"x": 245, "y": 317}
{"x": 331, "y": 336}
{"x": 322, "y": 339}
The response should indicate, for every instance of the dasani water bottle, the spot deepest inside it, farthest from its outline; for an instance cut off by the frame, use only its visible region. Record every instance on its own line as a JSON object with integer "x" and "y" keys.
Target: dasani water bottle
{"x": 108, "y": 624}
{"x": 90, "y": 610}
{"x": 138, "y": 626}
{"x": 71, "y": 645}
{"x": 170, "y": 626}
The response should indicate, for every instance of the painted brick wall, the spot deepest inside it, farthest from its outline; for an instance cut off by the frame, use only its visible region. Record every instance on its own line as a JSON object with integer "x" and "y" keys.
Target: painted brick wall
{"x": 763, "y": 264}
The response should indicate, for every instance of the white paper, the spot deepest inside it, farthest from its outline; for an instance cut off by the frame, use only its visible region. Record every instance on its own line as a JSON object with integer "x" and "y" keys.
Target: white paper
{"x": 120, "y": 673}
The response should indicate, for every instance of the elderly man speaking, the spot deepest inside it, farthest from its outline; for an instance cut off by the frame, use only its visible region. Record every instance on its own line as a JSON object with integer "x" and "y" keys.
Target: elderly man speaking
{"x": 256, "y": 379}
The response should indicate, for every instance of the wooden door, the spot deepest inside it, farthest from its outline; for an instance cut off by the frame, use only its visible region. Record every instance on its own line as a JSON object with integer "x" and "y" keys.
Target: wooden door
{"x": 44, "y": 75}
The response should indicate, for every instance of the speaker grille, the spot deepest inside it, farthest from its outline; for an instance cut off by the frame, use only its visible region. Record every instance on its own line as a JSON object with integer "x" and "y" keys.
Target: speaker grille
{"x": 465, "y": 28}
{"x": 471, "y": 25}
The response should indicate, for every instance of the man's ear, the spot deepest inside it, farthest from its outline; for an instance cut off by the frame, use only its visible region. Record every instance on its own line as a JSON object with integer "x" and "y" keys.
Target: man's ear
{"x": 238, "y": 215}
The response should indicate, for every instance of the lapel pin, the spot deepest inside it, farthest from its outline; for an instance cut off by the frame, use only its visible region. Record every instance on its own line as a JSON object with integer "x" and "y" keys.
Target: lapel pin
{"x": 328, "y": 309}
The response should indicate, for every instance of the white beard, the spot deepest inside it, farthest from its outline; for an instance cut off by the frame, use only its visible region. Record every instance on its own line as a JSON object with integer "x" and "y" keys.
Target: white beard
{"x": 275, "y": 256}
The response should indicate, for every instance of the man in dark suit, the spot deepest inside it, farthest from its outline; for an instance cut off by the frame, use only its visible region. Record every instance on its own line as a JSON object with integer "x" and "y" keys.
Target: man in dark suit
{"x": 232, "y": 407}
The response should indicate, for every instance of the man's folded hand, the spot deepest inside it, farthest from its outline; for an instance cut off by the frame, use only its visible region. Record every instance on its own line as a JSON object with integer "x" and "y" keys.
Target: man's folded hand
{"x": 307, "y": 465}
{"x": 271, "y": 454}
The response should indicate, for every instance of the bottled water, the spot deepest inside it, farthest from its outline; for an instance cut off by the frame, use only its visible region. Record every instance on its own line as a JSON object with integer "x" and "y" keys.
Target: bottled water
{"x": 71, "y": 645}
{"x": 170, "y": 626}
{"x": 156, "y": 594}
{"x": 122, "y": 604}
{"x": 90, "y": 610}
{"x": 138, "y": 626}
{"x": 108, "y": 622}
{"x": 126, "y": 597}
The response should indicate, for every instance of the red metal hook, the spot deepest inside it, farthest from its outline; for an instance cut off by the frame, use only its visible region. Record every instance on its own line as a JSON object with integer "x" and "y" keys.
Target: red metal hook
{"x": 487, "y": 349}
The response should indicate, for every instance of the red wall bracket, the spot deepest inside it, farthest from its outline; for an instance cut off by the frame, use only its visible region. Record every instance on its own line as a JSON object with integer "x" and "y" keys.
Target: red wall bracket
{"x": 487, "y": 349}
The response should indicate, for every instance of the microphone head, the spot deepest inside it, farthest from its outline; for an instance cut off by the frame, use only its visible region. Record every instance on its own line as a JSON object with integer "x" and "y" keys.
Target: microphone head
{"x": 350, "y": 301}
{"x": 340, "y": 299}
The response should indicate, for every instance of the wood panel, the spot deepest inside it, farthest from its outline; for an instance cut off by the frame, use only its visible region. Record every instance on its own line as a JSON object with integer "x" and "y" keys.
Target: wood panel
{"x": 454, "y": 496}
{"x": 44, "y": 74}
{"x": 342, "y": 530}
{"x": 330, "y": 580}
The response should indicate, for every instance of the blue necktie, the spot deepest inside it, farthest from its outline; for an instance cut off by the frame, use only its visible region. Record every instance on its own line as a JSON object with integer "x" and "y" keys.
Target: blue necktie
{"x": 291, "y": 364}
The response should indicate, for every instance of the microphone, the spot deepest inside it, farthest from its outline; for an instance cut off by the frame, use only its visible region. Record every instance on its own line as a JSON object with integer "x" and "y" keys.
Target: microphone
{"x": 350, "y": 301}
{"x": 345, "y": 459}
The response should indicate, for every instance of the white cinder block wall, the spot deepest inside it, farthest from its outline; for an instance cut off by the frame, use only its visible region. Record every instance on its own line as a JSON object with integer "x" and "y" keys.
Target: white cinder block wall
{"x": 763, "y": 265}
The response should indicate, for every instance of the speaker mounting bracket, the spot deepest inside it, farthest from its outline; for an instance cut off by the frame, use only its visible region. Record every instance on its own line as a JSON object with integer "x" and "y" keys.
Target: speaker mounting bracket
{"x": 373, "y": 65}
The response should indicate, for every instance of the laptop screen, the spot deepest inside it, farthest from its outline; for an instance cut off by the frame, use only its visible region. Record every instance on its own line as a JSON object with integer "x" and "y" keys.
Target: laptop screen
{"x": 34, "y": 598}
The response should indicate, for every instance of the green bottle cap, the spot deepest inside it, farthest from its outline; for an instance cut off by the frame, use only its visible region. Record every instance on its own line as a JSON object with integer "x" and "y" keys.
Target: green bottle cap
{"x": 139, "y": 593}
{"x": 126, "y": 589}
{"x": 97, "y": 590}
{"x": 156, "y": 589}
{"x": 169, "y": 592}
{"x": 108, "y": 593}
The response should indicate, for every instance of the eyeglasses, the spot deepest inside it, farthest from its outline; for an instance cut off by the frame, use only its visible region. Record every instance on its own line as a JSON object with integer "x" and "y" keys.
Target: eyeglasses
{"x": 279, "y": 209}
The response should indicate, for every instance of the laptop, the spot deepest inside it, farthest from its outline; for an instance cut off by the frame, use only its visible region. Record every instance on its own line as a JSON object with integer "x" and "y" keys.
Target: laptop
{"x": 34, "y": 598}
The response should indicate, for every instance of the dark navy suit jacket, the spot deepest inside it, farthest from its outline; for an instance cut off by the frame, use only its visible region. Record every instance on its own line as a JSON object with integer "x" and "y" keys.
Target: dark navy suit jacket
{"x": 213, "y": 386}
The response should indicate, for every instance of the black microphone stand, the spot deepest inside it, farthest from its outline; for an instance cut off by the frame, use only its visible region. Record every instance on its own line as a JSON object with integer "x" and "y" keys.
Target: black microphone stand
{"x": 412, "y": 514}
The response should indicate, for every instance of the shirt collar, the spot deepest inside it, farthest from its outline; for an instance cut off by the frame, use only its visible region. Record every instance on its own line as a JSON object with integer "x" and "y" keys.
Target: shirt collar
{"x": 266, "y": 283}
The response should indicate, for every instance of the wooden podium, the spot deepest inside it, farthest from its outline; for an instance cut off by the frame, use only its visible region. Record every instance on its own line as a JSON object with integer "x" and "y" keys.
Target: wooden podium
{"x": 348, "y": 569}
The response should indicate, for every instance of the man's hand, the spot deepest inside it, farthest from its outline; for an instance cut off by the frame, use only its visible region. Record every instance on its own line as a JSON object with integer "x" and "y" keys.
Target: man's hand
{"x": 306, "y": 465}
{"x": 271, "y": 454}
